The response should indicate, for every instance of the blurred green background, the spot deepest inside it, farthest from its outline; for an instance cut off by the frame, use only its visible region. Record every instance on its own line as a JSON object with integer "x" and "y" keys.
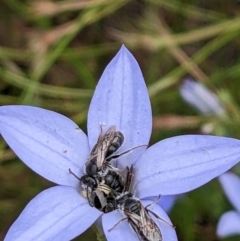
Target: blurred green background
{"x": 52, "y": 54}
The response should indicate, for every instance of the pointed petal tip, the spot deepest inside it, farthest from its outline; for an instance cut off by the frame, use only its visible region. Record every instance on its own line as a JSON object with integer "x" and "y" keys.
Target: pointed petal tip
{"x": 126, "y": 54}
{"x": 121, "y": 99}
{"x": 123, "y": 48}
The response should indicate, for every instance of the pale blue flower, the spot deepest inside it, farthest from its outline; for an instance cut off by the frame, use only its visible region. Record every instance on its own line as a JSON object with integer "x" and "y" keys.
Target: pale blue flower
{"x": 229, "y": 222}
{"x": 50, "y": 144}
{"x": 201, "y": 98}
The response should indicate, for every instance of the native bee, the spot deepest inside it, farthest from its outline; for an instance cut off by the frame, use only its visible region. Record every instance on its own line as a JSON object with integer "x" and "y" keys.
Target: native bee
{"x": 101, "y": 154}
{"x": 101, "y": 192}
{"x": 137, "y": 215}
{"x": 139, "y": 218}
{"x": 98, "y": 163}
{"x": 102, "y": 181}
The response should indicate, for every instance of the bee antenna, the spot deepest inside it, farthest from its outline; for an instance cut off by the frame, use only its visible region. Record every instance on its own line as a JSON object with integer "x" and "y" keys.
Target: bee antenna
{"x": 70, "y": 171}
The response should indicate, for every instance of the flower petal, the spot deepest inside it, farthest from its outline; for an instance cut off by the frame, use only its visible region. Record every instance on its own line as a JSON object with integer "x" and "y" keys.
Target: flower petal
{"x": 123, "y": 230}
{"x": 229, "y": 224}
{"x": 166, "y": 202}
{"x": 47, "y": 142}
{"x": 181, "y": 164}
{"x": 121, "y": 99}
{"x": 231, "y": 185}
{"x": 201, "y": 98}
{"x": 58, "y": 213}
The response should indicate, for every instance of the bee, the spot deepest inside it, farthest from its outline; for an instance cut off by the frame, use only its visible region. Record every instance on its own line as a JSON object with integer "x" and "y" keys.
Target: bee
{"x": 98, "y": 163}
{"x": 102, "y": 181}
{"x": 101, "y": 154}
{"x": 100, "y": 192}
{"x": 139, "y": 219}
{"x": 137, "y": 215}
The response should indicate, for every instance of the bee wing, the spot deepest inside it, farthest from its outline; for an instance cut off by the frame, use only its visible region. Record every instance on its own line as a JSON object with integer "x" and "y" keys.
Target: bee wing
{"x": 150, "y": 230}
{"x": 135, "y": 222}
{"x": 129, "y": 175}
{"x": 104, "y": 142}
{"x": 100, "y": 149}
{"x": 137, "y": 230}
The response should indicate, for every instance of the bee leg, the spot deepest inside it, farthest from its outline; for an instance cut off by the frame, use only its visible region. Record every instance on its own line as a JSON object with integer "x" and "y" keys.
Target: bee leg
{"x": 125, "y": 152}
{"x": 162, "y": 220}
{"x": 153, "y": 202}
{"x": 117, "y": 224}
